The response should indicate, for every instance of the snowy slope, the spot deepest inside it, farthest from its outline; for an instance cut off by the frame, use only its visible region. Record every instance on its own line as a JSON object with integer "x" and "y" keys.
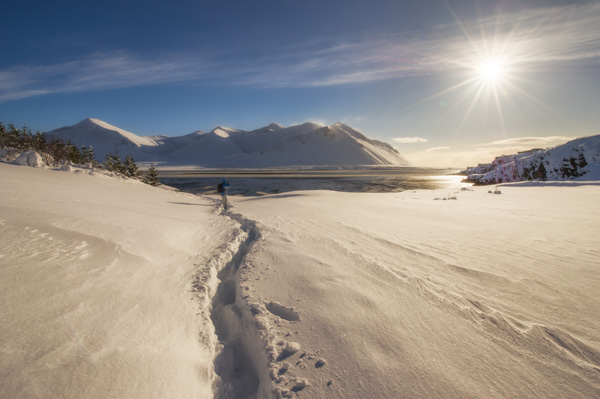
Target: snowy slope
{"x": 96, "y": 287}
{"x": 270, "y": 146}
{"x": 208, "y": 148}
{"x": 578, "y": 159}
{"x": 167, "y": 144}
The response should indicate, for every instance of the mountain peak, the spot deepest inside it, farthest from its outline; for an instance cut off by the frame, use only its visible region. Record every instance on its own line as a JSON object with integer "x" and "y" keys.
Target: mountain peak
{"x": 311, "y": 125}
{"x": 90, "y": 121}
{"x": 223, "y": 131}
{"x": 95, "y": 123}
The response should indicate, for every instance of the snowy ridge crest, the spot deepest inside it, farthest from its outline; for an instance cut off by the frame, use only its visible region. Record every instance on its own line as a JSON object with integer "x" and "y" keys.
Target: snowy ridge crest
{"x": 577, "y": 159}
{"x": 270, "y": 146}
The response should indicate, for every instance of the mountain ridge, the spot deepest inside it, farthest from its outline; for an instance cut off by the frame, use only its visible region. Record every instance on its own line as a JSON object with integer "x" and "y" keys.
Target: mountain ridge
{"x": 307, "y": 144}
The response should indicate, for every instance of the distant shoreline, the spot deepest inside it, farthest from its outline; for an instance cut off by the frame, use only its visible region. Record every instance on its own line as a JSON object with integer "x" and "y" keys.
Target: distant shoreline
{"x": 302, "y": 172}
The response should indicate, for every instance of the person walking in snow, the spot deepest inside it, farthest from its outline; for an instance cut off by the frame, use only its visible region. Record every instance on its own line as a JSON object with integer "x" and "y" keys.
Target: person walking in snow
{"x": 222, "y": 188}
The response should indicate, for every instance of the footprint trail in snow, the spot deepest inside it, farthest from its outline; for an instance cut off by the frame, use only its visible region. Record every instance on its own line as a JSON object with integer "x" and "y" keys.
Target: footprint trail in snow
{"x": 255, "y": 357}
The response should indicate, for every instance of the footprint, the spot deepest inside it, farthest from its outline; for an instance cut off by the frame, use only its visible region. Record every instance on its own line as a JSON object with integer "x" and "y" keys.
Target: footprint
{"x": 299, "y": 384}
{"x": 289, "y": 348}
{"x": 283, "y": 312}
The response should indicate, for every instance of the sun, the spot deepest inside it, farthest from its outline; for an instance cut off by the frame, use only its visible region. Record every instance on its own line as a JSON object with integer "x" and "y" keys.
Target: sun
{"x": 492, "y": 70}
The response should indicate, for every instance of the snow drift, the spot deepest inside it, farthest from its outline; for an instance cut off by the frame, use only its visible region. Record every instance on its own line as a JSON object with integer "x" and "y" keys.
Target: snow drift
{"x": 270, "y": 146}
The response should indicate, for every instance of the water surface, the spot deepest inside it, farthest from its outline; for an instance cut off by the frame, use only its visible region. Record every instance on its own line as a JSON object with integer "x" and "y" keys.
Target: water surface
{"x": 273, "y": 181}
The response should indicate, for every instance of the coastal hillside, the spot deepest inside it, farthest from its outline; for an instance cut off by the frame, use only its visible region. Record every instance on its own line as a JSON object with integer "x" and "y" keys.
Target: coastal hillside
{"x": 577, "y": 159}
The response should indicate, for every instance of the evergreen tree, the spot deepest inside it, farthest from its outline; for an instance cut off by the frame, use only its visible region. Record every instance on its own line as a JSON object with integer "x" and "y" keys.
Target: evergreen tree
{"x": 151, "y": 177}
{"x": 92, "y": 157}
{"x": 58, "y": 150}
{"x": 2, "y": 135}
{"x": 12, "y": 137}
{"x": 109, "y": 162}
{"x": 73, "y": 153}
{"x": 27, "y": 139}
{"x": 131, "y": 169}
{"x": 84, "y": 156}
{"x": 39, "y": 142}
{"x": 119, "y": 168}
{"x": 113, "y": 163}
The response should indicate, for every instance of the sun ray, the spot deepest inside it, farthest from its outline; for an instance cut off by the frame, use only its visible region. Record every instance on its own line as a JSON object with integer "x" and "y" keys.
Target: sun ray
{"x": 464, "y": 119}
{"x": 528, "y": 96}
{"x": 536, "y": 105}
{"x": 499, "y": 109}
{"x": 466, "y": 93}
{"x": 456, "y": 86}
{"x": 460, "y": 24}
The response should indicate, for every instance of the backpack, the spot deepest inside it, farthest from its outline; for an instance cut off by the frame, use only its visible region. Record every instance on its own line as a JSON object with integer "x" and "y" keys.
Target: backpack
{"x": 220, "y": 188}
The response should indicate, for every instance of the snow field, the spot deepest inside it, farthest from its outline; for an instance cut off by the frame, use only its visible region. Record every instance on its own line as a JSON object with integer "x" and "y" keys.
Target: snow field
{"x": 111, "y": 288}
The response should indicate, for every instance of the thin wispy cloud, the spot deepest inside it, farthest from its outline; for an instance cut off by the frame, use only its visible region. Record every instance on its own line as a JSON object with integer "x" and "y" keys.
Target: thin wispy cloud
{"x": 515, "y": 145}
{"x": 435, "y": 149}
{"x": 528, "y": 141}
{"x": 543, "y": 36}
{"x": 409, "y": 140}
{"x": 99, "y": 71}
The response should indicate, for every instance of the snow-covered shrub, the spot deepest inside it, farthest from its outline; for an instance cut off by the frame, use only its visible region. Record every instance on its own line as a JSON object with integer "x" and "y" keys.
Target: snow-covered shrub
{"x": 9, "y": 154}
{"x": 30, "y": 158}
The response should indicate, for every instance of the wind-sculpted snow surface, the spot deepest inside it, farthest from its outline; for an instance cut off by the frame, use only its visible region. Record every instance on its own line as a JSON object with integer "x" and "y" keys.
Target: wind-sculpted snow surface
{"x": 401, "y": 296}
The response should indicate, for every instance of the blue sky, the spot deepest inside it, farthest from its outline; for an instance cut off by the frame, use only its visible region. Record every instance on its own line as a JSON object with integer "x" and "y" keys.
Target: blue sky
{"x": 447, "y": 82}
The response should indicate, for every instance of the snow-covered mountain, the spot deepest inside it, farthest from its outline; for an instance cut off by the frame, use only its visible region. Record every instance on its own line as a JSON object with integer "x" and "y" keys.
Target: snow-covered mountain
{"x": 106, "y": 138}
{"x": 576, "y": 159}
{"x": 270, "y": 146}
